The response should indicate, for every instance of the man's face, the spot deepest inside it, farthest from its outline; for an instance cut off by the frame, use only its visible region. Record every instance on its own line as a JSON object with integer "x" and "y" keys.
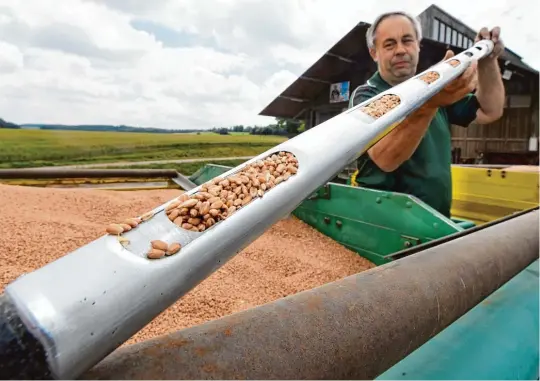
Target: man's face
{"x": 396, "y": 49}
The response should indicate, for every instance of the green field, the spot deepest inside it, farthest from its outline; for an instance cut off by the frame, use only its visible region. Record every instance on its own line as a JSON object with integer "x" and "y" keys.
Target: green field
{"x": 36, "y": 148}
{"x": 184, "y": 168}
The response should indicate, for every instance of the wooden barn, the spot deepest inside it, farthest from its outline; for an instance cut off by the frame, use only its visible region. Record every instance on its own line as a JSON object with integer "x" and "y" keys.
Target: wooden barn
{"x": 313, "y": 97}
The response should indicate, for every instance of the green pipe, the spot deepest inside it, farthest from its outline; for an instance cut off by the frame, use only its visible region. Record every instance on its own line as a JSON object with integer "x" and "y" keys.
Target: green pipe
{"x": 496, "y": 340}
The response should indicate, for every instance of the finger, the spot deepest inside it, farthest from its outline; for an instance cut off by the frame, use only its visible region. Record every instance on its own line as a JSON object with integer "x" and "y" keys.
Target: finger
{"x": 449, "y": 54}
{"x": 469, "y": 73}
{"x": 469, "y": 88}
{"x": 473, "y": 83}
{"x": 495, "y": 34}
{"x": 498, "y": 49}
{"x": 463, "y": 81}
{"x": 483, "y": 34}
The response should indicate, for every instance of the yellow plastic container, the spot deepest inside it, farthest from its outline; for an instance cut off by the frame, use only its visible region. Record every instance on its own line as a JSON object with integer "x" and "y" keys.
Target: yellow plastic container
{"x": 484, "y": 194}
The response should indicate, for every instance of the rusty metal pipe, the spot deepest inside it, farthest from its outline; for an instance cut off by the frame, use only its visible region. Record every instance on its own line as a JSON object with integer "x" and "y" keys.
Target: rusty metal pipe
{"x": 53, "y": 173}
{"x": 355, "y": 328}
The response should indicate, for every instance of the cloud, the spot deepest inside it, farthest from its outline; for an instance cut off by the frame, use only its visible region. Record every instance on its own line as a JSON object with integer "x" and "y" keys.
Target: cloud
{"x": 181, "y": 64}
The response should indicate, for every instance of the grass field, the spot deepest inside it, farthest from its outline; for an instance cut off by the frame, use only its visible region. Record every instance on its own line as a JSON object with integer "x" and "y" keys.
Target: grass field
{"x": 36, "y": 148}
{"x": 184, "y": 168}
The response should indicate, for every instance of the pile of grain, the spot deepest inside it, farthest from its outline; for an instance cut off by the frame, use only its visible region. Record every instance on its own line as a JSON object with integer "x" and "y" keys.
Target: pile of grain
{"x": 381, "y": 106}
{"x": 40, "y": 225}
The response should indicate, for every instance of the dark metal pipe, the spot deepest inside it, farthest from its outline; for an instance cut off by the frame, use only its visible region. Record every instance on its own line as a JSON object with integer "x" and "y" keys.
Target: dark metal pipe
{"x": 22, "y": 356}
{"x": 52, "y": 173}
{"x": 355, "y": 328}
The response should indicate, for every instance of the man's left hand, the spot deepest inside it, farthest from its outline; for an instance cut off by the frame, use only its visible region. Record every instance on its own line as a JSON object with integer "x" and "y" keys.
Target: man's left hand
{"x": 495, "y": 36}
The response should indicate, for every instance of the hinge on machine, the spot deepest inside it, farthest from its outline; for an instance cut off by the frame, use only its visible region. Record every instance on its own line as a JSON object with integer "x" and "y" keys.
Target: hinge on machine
{"x": 410, "y": 241}
{"x": 321, "y": 193}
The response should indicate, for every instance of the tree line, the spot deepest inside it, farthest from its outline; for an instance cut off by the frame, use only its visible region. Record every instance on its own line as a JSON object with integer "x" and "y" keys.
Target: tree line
{"x": 281, "y": 127}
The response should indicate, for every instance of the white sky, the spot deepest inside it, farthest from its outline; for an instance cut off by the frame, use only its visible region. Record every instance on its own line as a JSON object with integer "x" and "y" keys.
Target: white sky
{"x": 188, "y": 64}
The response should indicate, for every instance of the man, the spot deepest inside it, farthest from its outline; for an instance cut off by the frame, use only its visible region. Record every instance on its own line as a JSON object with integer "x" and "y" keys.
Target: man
{"x": 415, "y": 158}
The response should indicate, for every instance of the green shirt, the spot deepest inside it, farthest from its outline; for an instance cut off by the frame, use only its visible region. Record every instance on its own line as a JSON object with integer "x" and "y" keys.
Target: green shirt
{"x": 427, "y": 174}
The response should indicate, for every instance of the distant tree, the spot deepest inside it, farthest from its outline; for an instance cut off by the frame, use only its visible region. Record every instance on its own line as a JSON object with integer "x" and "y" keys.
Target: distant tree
{"x": 4, "y": 124}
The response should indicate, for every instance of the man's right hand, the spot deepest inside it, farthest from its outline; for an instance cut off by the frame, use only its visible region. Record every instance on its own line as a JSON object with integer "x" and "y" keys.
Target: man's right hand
{"x": 457, "y": 89}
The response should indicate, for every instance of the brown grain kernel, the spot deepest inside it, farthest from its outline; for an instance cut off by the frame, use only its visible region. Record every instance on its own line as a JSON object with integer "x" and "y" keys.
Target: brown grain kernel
{"x": 205, "y": 208}
{"x": 214, "y": 199}
{"x": 183, "y": 197}
{"x": 114, "y": 229}
{"x": 292, "y": 169}
{"x": 173, "y": 248}
{"x": 194, "y": 221}
{"x": 206, "y": 195}
{"x": 187, "y": 226}
{"x": 132, "y": 222}
{"x": 193, "y": 212}
{"x": 156, "y": 254}
{"x": 454, "y": 62}
{"x": 172, "y": 206}
{"x": 216, "y": 205}
{"x": 160, "y": 245}
{"x": 246, "y": 200}
{"x": 214, "y": 192}
{"x": 126, "y": 227}
{"x": 174, "y": 214}
{"x": 189, "y": 203}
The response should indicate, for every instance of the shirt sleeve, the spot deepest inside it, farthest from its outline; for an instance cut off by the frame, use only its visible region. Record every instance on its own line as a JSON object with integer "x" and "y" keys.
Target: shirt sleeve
{"x": 369, "y": 174}
{"x": 463, "y": 112}
{"x": 361, "y": 94}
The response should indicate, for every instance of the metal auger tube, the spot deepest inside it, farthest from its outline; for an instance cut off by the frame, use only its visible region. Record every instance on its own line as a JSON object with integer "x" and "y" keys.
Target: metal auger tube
{"x": 87, "y": 303}
{"x": 351, "y": 329}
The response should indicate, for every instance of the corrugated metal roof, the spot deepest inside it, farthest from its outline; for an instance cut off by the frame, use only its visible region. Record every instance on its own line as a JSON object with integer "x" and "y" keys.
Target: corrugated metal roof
{"x": 349, "y": 53}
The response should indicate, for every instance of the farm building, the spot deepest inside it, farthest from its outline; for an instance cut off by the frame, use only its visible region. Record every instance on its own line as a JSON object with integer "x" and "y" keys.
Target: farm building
{"x": 311, "y": 97}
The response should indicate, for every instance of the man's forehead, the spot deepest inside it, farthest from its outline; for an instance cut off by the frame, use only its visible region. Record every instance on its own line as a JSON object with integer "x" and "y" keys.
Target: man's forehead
{"x": 395, "y": 25}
